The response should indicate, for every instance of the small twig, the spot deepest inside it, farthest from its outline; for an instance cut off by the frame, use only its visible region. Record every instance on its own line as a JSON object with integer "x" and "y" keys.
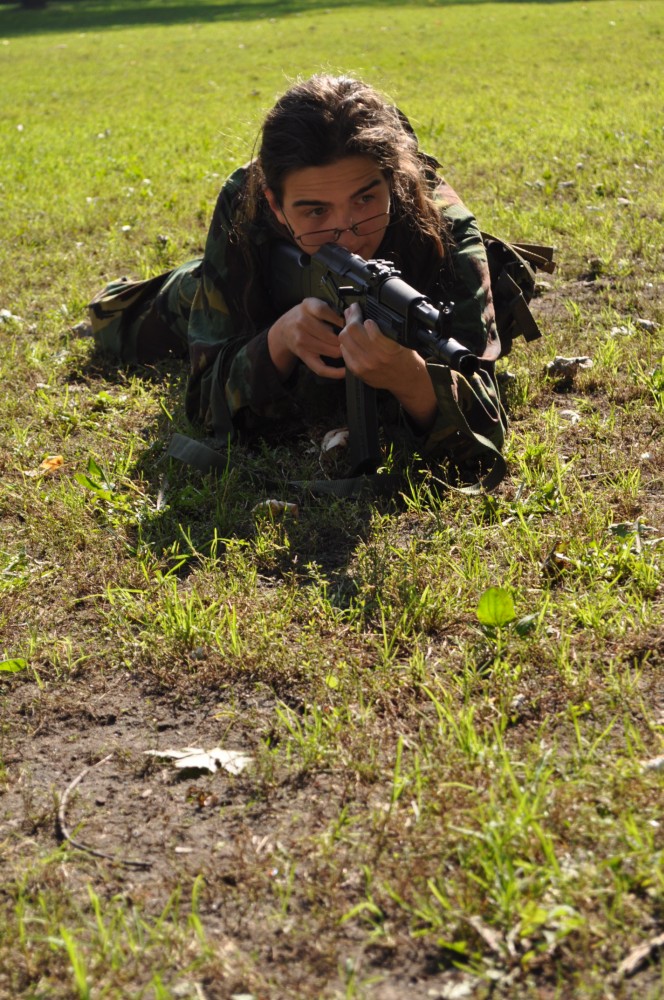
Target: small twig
{"x": 492, "y": 938}
{"x": 161, "y": 495}
{"x": 66, "y": 834}
{"x": 639, "y": 956}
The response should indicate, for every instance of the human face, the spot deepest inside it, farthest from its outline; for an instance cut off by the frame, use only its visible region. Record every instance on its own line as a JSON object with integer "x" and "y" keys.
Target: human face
{"x": 335, "y": 196}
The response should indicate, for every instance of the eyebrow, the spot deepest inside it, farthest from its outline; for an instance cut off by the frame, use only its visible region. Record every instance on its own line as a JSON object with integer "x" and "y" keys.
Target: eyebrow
{"x": 304, "y": 202}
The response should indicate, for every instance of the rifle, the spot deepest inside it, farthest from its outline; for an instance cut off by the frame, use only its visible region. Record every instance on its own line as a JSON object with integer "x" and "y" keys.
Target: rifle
{"x": 340, "y": 278}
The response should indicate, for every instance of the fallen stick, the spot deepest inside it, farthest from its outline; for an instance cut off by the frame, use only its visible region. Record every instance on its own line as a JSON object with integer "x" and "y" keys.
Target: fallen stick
{"x": 640, "y": 955}
{"x": 65, "y": 833}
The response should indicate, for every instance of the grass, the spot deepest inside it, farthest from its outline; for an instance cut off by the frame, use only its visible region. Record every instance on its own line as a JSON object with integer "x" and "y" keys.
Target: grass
{"x": 438, "y": 800}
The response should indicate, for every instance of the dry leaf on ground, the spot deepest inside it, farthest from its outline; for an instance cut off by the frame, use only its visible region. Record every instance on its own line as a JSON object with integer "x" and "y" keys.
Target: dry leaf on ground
{"x": 335, "y": 439}
{"x": 196, "y": 759}
{"x": 277, "y": 507}
{"x": 50, "y": 464}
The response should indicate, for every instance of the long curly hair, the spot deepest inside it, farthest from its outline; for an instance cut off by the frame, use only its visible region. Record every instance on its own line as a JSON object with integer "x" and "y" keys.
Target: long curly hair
{"x": 324, "y": 119}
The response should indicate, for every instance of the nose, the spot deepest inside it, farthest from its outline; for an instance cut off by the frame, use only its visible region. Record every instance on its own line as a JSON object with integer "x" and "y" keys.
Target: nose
{"x": 347, "y": 238}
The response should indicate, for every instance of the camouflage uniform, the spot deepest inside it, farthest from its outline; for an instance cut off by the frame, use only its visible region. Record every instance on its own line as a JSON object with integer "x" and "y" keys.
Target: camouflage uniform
{"x": 208, "y": 308}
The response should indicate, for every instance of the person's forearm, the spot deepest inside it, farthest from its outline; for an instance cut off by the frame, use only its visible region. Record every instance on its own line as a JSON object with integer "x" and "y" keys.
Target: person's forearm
{"x": 416, "y": 395}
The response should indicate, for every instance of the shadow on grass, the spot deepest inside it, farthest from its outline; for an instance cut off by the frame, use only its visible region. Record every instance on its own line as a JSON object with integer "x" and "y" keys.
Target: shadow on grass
{"x": 197, "y": 513}
{"x": 97, "y": 15}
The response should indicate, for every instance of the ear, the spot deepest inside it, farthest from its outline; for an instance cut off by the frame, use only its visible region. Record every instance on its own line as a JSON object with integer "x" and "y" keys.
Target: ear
{"x": 274, "y": 205}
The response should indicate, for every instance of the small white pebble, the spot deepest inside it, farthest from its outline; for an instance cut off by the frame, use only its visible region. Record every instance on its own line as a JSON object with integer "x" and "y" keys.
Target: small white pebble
{"x": 654, "y": 764}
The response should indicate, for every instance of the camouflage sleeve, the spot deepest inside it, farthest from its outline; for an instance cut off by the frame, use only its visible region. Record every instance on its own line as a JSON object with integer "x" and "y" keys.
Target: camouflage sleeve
{"x": 232, "y": 376}
{"x": 473, "y": 318}
{"x": 473, "y": 324}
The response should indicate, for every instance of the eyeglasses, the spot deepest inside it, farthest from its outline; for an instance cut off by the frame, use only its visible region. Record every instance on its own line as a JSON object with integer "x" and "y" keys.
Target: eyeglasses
{"x": 363, "y": 228}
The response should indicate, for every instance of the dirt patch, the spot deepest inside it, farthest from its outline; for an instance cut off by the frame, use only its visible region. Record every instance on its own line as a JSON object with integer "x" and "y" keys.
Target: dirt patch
{"x": 272, "y": 854}
{"x": 257, "y": 839}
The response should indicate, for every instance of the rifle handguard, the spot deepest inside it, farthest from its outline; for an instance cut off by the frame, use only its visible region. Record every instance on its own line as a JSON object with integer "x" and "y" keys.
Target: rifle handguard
{"x": 340, "y": 278}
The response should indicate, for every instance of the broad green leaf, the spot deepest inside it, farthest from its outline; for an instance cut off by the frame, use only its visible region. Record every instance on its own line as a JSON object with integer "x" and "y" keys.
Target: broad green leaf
{"x": 13, "y": 666}
{"x": 90, "y": 484}
{"x": 95, "y": 470}
{"x": 496, "y": 607}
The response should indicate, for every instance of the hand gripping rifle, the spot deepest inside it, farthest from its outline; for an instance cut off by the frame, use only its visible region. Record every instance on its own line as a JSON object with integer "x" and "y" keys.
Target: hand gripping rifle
{"x": 340, "y": 278}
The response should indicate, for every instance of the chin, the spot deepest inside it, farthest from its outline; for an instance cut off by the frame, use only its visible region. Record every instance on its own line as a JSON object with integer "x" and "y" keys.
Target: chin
{"x": 367, "y": 252}
{"x": 372, "y": 249}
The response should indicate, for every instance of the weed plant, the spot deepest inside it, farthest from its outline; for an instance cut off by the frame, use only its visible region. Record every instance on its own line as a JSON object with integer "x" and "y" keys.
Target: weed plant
{"x": 440, "y": 800}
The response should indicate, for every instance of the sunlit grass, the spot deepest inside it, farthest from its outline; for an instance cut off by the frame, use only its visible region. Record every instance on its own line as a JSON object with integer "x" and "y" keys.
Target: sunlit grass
{"x": 471, "y": 794}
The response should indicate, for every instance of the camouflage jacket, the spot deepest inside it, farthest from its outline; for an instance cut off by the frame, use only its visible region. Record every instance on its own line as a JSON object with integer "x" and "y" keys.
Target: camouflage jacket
{"x": 227, "y": 329}
{"x": 210, "y": 306}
